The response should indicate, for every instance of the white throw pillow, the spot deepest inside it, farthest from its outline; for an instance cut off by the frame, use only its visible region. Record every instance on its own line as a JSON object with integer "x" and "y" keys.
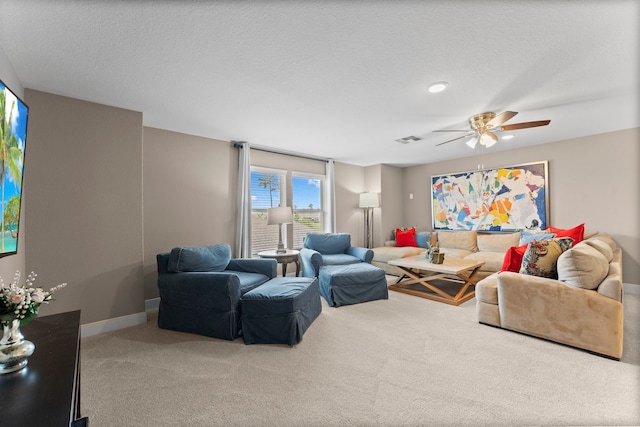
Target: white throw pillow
{"x": 602, "y": 247}
{"x": 582, "y": 266}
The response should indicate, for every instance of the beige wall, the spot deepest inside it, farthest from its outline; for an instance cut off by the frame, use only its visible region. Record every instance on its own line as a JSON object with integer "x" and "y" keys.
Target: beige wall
{"x": 350, "y": 182}
{"x": 83, "y": 180}
{"x": 86, "y": 187}
{"x": 594, "y": 179}
{"x": 189, "y": 195}
{"x": 390, "y": 196}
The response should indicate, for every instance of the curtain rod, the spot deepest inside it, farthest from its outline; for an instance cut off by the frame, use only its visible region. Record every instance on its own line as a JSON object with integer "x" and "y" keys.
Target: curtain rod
{"x": 238, "y": 144}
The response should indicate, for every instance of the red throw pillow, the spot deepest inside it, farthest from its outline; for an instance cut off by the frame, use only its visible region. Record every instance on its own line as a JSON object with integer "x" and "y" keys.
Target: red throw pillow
{"x": 406, "y": 237}
{"x": 513, "y": 258}
{"x": 576, "y": 233}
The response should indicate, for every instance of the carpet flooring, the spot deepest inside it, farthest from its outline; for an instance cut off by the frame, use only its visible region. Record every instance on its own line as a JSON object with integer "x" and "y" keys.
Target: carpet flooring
{"x": 405, "y": 361}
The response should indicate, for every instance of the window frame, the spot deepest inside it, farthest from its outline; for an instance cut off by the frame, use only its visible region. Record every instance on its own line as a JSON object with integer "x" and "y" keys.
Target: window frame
{"x": 323, "y": 205}
{"x": 283, "y": 174}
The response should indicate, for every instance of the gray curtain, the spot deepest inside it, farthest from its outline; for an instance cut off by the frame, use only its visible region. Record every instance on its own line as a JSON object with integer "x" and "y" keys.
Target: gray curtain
{"x": 243, "y": 220}
{"x": 330, "y": 223}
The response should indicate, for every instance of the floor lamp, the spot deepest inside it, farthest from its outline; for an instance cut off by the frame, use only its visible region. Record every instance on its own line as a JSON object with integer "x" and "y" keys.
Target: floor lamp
{"x": 279, "y": 216}
{"x": 368, "y": 201}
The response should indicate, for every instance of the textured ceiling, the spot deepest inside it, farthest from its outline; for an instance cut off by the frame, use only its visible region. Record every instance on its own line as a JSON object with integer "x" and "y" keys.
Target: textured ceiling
{"x": 338, "y": 79}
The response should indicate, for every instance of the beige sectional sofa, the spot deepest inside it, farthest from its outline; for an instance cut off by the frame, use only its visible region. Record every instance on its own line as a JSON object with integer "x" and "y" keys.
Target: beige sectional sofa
{"x": 582, "y": 308}
{"x": 487, "y": 247}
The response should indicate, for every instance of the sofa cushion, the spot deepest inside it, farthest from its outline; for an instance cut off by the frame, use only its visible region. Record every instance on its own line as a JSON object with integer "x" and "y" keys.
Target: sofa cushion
{"x": 602, "y": 247}
{"x": 541, "y": 257}
{"x": 513, "y": 258}
{"x": 497, "y": 242}
{"x": 528, "y": 236}
{"x": 607, "y": 239}
{"x": 576, "y": 233}
{"x": 487, "y": 289}
{"x": 328, "y": 243}
{"x": 582, "y": 267}
{"x": 200, "y": 258}
{"x": 339, "y": 259}
{"x": 249, "y": 281}
{"x": 492, "y": 260}
{"x": 405, "y": 237}
{"x": 384, "y": 254}
{"x": 455, "y": 253}
{"x": 611, "y": 286}
{"x": 466, "y": 240}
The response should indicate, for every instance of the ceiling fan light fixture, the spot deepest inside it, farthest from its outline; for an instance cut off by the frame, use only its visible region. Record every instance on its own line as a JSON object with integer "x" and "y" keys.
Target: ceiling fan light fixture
{"x": 488, "y": 139}
{"x": 438, "y": 87}
{"x": 472, "y": 142}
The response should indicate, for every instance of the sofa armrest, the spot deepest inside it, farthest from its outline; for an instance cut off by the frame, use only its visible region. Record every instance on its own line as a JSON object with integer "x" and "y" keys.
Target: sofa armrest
{"x": 268, "y": 267}
{"x": 364, "y": 254}
{"x": 210, "y": 290}
{"x": 553, "y": 310}
{"x": 311, "y": 261}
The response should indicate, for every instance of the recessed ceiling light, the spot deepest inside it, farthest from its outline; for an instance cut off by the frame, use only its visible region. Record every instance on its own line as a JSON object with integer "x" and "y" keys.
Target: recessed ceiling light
{"x": 437, "y": 87}
{"x": 510, "y": 136}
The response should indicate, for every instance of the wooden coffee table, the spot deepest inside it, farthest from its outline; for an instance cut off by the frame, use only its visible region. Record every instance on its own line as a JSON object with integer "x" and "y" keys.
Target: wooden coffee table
{"x": 422, "y": 273}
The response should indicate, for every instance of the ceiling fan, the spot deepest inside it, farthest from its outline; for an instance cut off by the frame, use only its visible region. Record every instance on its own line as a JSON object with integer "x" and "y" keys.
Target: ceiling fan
{"x": 484, "y": 125}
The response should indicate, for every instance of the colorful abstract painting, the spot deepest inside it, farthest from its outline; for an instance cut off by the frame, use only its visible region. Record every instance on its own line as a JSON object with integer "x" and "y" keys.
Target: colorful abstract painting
{"x": 509, "y": 198}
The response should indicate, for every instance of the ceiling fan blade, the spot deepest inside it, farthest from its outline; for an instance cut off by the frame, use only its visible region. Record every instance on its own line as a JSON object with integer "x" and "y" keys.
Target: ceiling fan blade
{"x": 524, "y": 125}
{"x": 451, "y": 140}
{"x": 501, "y": 118}
{"x": 451, "y": 130}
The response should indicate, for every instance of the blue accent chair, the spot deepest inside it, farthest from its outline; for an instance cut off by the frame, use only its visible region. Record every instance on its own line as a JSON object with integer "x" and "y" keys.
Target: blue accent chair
{"x": 201, "y": 287}
{"x": 321, "y": 249}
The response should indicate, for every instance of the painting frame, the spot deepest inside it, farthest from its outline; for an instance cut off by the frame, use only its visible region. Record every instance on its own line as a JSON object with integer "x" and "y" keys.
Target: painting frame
{"x": 14, "y": 114}
{"x": 508, "y": 198}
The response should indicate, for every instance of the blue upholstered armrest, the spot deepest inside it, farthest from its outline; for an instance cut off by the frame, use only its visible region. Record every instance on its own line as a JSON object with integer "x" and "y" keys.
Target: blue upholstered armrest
{"x": 268, "y": 267}
{"x": 366, "y": 255}
{"x": 311, "y": 261}
{"x": 211, "y": 290}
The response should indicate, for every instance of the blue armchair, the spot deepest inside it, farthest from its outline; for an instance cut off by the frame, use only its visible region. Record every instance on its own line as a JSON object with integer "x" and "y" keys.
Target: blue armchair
{"x": 320, "y": 249}
{"x": 200, "y": 289}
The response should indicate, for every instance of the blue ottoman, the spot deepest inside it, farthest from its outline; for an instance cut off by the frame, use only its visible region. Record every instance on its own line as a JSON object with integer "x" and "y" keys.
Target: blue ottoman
{"x": 352, "y": 284}
{"x": 280, "y": 311}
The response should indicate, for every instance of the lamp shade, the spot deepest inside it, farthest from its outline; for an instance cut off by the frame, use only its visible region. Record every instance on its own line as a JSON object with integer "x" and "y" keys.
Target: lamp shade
{"x": 488, "y": 139}
{"x": 279, "y": 215}
{"x": 472, "y": 142}
{"x": 369, "y": 200}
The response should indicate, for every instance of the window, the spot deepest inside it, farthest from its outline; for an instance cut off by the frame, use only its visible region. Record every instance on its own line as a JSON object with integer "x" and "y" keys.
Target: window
{"x": 308, "y": 214}
{"x": 267, "y": 191}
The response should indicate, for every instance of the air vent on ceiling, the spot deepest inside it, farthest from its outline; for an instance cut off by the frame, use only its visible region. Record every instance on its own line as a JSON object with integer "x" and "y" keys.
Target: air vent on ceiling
{"x": 408, "y": 139}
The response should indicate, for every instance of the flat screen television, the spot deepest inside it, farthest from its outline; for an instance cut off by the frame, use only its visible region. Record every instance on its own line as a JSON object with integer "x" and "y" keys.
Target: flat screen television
{"x": 13, "y": 136}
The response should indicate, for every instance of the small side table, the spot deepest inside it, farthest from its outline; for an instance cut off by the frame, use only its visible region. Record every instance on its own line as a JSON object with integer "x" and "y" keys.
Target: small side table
{"x": 285, "y": 258}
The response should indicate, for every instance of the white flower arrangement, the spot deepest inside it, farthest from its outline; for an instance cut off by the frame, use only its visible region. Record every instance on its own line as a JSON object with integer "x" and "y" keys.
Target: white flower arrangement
{"x": 21, "y": 302}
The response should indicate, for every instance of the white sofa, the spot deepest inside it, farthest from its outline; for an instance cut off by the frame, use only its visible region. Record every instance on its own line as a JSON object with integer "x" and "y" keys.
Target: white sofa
{"x": 582, "y": 308}
{"x": 487, "y": 247}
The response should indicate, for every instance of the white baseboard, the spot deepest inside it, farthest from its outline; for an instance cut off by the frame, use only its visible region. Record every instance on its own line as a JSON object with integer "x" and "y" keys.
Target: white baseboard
{"x": 102, "y": 326}
{"x": 630, "y": 288}
{"x": 109, "y": 325}
{"x": 151, "y": 304}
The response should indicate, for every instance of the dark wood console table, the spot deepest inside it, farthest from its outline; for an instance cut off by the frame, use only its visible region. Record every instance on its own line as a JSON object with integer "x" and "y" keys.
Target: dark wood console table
{"x": 47, "y": 391}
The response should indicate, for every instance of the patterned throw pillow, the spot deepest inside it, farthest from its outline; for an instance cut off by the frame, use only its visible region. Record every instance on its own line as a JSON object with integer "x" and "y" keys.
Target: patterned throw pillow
{"x": 528, "y": 237}
{"x": 541, "y": 257}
